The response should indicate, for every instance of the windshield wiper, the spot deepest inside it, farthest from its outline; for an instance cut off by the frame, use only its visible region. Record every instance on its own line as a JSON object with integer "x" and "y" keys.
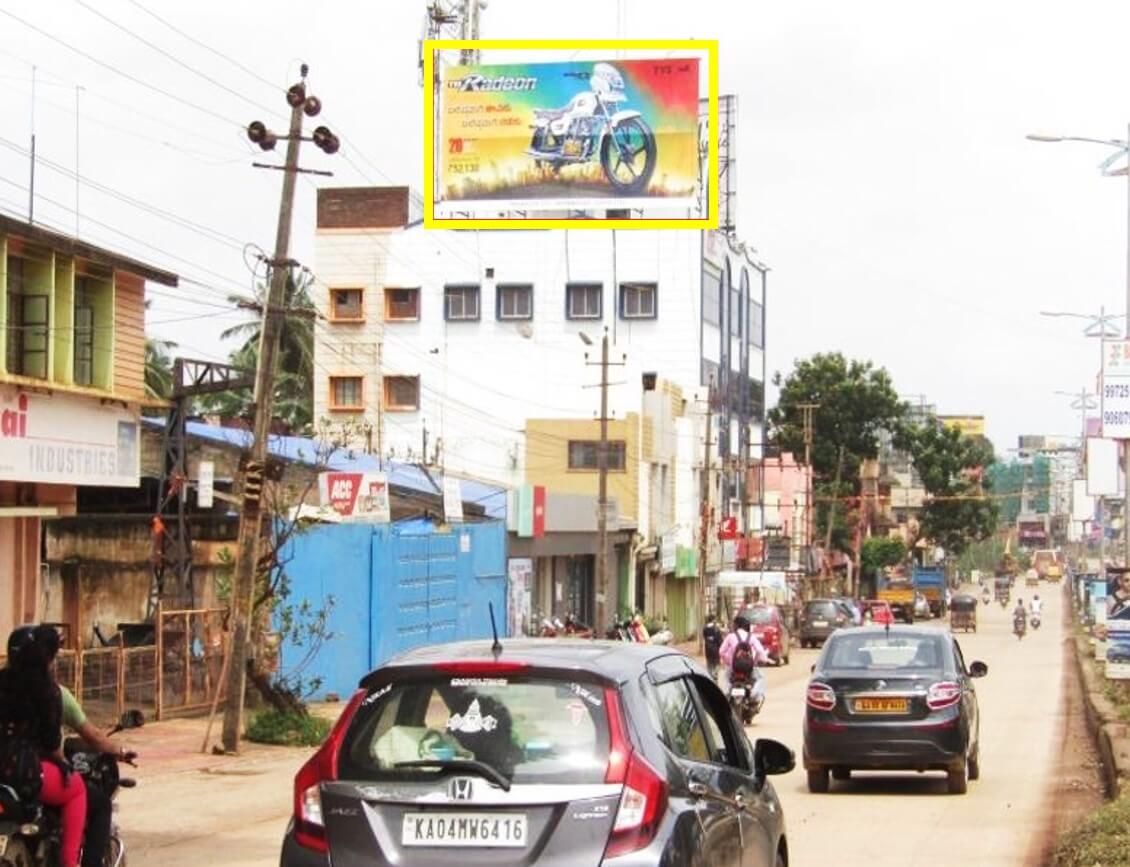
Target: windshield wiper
{"x": 480, "y": 768}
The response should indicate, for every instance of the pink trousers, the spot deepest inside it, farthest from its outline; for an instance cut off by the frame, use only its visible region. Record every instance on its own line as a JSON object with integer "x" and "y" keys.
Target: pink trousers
{"x": 70, "y": 798}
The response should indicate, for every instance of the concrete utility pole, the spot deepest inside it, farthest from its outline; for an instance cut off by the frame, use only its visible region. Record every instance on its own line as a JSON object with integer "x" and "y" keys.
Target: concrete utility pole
{"x": 602, "y": 489}
{"x": 704, "y": 505}
{"x": 469, "y": 56}
{"x": 807, "y": 409}
{"x": 246, "y": 566}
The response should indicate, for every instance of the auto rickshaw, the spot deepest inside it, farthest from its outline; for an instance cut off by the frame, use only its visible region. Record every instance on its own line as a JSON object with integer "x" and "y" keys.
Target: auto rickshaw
{"x": 963, "y": 612}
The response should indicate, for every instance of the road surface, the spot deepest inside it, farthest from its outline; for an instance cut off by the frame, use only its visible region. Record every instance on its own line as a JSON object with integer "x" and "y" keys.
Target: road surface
{"x": 234, "y": 815}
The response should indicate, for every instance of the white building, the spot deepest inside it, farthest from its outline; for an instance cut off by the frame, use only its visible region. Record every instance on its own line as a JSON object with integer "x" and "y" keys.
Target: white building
{"x": 440, "y": 345}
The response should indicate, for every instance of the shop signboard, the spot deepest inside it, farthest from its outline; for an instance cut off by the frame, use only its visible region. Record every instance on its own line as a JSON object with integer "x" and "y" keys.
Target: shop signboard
{"x": 63, "y": 439}
{"x": 360, "y": 497}
{"x": 570, "y": 134}
{"x": 1115, "y": 391}
{"x": 520, "y": 583}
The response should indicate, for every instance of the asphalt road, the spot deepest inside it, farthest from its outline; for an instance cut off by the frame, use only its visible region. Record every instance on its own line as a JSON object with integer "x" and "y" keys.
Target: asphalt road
{"x": 908, "y": 818}
{"x": 234, "y": 814}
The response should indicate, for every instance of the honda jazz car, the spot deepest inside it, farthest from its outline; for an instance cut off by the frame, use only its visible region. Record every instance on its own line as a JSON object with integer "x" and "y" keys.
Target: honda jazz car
{"x": 555, "y": 752}
{"x": 892, "y": 698}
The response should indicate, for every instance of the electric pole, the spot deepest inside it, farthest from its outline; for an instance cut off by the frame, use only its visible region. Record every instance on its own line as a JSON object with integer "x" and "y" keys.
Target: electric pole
{"x": 704, "y": 505}
{"x": 244, "y": 583}
{"x": 807, "y": 409}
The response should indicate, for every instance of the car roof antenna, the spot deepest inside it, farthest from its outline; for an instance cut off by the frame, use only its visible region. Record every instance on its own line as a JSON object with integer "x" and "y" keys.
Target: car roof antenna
{"x": 495, "y": 648}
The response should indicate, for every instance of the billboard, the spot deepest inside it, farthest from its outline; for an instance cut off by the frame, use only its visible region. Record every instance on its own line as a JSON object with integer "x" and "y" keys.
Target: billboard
{"x": 969, "y": 425}
{"x": 361, "y": 497}
{"x": 566, "y": 135}
{"x": 1102, "y": 467}
{"x": 1115, "y": 391}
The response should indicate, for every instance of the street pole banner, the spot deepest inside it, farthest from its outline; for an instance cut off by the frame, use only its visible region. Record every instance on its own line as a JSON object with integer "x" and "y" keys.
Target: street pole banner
{"x": 1115, "y": 391}
{"x": 569, "y": 135}
{"x": 360, "y": 497}
{"x": 1102, "y": 467}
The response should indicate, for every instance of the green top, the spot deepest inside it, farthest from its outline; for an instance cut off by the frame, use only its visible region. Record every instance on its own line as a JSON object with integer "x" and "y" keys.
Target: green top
{"x": 73, "y": 717}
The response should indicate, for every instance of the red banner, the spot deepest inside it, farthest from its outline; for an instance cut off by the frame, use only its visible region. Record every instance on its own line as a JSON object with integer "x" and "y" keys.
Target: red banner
{"x": 539, "y": 511}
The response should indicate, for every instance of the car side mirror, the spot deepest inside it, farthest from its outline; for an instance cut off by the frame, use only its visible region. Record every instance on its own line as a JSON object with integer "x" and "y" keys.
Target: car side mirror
{"x": 772, "y": 757}
{"x": 978, "y": 669}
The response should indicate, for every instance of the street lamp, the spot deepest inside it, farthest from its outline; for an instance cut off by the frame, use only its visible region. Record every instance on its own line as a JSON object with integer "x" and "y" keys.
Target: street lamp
{"x": 1121, "y": 148}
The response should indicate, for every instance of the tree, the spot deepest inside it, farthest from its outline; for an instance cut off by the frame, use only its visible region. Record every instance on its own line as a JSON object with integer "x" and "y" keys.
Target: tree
{"x": 878, "y": 552}
{"x": 159, "y": 368}
{"x": 959, "y": 509}
{"x": 856, "y": 404}
{"x": 294, "y": 377}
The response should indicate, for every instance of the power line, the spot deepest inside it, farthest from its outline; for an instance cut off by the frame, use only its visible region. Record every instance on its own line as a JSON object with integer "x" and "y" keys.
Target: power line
{"x": 117, "y": 71}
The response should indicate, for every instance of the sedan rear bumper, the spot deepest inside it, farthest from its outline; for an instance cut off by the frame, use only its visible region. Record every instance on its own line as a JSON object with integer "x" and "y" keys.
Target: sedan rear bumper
{"x": 934, "y": 745}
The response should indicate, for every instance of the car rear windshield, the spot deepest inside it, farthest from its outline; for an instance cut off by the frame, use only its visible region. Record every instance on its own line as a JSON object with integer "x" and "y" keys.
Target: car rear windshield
{"x": 761, "y": 616}
{"x": 820, "y": 609}
{"x": 888, "y": 652}
{"x": 529, "y": 729}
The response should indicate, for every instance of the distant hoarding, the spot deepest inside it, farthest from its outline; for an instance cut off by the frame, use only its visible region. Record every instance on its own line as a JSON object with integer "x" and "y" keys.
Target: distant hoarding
{"x": 361, "y": 497}
{"x": 569, "y": 135}
{"x": 1102, "y": 467}
{"x": 970, "y": 425}
{"x": 1115, "y": 391}
{"x": 1082, "y": 503}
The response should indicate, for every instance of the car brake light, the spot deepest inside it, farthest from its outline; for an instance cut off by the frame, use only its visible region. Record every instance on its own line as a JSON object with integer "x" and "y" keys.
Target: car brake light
{"x": 820, "y": 696}
{"x": 481, "y": 666}
{"x": 643, "y": 799}
{"x": 944, "y": 694}
{"x": 309, "y": 823}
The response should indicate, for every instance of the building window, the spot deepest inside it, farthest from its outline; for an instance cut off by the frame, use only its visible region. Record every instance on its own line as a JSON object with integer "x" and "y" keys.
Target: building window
{"x": 28, "y": 325}
{"x": 84, "y": 334}
{"x": 515, "y": 301}
{"x": 756, "y": 324}
{"x": 585, "y": 455}
{"x": 735, "y": 312}
{"x": 346, "y": 393}
{"x": 347, "y": 305}
{"x": 402, "y": 393}
{"x": 583, "y": 300}
{"x": 402, "y": 305}
{"x": 637, "y": 300}
{"x": 461, "y": 302}
{"x": 711, "y": 296}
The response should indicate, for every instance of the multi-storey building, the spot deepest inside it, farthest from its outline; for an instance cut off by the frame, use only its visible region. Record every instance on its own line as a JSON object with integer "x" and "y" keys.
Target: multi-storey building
{"x": 479, "y": 352}
{"x": 72, "y": 380}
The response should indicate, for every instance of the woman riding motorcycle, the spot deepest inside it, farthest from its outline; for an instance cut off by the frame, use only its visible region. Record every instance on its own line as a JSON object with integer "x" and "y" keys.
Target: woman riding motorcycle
{"x": 31, "y": 714}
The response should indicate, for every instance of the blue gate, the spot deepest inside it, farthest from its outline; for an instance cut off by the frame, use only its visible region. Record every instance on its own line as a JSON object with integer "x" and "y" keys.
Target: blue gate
{"x": 395, "y": 587}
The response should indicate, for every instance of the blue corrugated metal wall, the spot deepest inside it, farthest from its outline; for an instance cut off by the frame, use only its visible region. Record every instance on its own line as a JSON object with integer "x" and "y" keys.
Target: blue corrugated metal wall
{"x": 395, "y": 587}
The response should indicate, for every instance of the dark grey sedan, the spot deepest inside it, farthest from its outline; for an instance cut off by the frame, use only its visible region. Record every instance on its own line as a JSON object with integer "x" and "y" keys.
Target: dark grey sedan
{"x": 894, "y": 698}
{"x": 551, "y": 752}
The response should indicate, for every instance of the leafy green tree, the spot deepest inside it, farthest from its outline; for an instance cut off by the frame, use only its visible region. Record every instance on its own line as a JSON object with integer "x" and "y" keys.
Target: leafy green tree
{"x": 878, "y": 552}
{"x": 952, "y": 466}
{"x": 159, "y": 368}
{"x": 857, "y": 404}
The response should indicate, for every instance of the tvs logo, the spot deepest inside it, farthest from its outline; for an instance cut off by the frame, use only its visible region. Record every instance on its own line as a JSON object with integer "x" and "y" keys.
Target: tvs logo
{"x": 13, "y": 422}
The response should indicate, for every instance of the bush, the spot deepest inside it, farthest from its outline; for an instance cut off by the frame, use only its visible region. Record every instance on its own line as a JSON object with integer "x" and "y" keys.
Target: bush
{"x": 288, "y": 729}
{"x": 1103, "y": 840}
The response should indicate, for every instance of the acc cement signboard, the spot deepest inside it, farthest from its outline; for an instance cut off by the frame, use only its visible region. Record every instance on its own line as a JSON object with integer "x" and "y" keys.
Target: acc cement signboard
{"x": 62, "y": 439}
{"x": 1115, "y": 392}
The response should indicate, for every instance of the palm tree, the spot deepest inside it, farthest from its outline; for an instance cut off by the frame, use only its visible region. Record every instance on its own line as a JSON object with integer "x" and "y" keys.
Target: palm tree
{"x": 158, "y": 365}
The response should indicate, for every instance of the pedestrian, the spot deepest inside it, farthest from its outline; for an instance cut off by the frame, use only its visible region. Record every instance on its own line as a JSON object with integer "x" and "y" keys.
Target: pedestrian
{"x": 712, "y": 638}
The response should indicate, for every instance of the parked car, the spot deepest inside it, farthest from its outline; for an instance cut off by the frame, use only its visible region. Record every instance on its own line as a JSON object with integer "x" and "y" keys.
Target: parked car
{"x": 877, "y": 611}
{"x": 545, "y": 752}
{"x": 820, "y": 618}
{"x": 892, "y": 698}
{"x": 768, "y": 624}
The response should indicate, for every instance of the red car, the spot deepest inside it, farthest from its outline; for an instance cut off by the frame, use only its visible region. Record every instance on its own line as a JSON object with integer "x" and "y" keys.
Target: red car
{"x": 767, "y": 623}
{"x": 878, "y": 611}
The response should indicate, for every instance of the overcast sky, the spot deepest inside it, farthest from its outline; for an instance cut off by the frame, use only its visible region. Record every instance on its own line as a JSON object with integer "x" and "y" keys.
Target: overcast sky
{"x": 884, "y": 173}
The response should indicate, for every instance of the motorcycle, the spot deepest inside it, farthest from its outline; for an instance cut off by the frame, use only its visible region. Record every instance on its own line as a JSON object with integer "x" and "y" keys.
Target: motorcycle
{"x": 586, "y": 130}
{"x": 986, "y": 598}
{"x": 31, "y": 833}
{"x": 1019, "y": 625}
{"x": 1004, "y": 602}
{"x": 1035, "y": 621}
{"x": 747, "y": 696}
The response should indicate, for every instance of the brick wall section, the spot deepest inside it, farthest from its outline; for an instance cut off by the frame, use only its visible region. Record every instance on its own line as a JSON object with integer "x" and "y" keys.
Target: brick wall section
{"x": 129, "y": 335}
{"x": 363, "y": 208}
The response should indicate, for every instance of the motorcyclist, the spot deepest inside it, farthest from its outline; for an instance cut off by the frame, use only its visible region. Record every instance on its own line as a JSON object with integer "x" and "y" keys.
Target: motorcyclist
{"x": 1019, "y": 617}
{"x": 1036, "y": 606}
{"x": 31, "y": 717}
{"x": 741, "y": 652}
{"x": 712, "y": 638}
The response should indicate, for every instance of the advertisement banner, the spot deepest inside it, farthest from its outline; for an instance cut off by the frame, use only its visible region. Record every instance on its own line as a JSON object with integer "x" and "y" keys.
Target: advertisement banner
{"x": 520, "y": 575}
{"x": 62, "y": 439}
{"x": 1102, "y": 467}
{"x": 361, "y": 497}
{"x": 452, "y": 500}
{"x": 1115, "y": 391}
{"x": 569, "y": 134}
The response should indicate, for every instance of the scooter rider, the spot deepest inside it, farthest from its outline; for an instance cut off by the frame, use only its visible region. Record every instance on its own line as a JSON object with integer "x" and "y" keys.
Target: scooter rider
{"x": 1036, "y": 606}
{"x": 741, "y": 652}
{"x": 1019, "y": 618}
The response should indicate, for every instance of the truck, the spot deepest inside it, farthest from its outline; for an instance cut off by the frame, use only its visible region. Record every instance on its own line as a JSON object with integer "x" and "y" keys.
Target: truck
{"x": 897, "y": 590}
{"x": 930, "y": 581}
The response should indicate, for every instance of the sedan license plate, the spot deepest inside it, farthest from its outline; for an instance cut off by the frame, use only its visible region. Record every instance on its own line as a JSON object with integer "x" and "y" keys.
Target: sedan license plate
{"x": 464, "y": 829}
{"x": 737, "y": 691}
{"x": 819, "y": 622}
{"x": 882, "y": 705}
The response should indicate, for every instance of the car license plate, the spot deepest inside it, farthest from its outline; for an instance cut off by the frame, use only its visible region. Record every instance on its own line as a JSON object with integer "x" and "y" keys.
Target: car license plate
{"x": 464, "y": 829}
{"x": 882, "y": 705}
{"x": 819, "y": 622}
{"x": 738, "y": 692}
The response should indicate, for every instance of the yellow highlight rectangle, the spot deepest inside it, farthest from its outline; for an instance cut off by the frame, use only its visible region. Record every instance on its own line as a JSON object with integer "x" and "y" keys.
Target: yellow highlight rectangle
{"x": 710, "y": 46}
